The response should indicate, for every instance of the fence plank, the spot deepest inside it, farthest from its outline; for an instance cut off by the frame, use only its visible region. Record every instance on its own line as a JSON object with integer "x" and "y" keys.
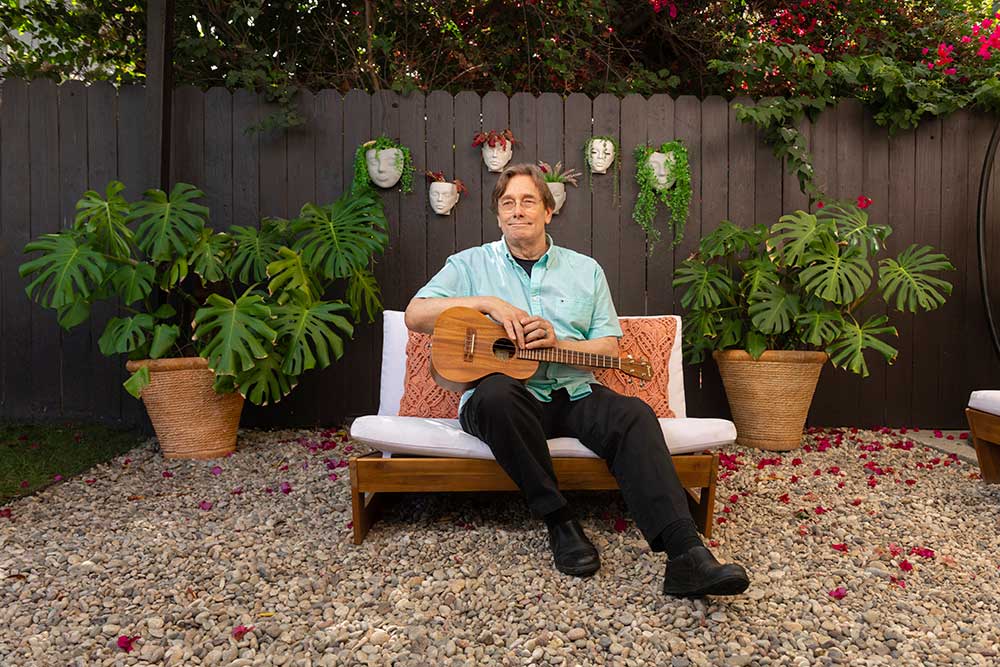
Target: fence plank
{"x": 440, "y": 157}
{"x": 78, "y": 390}
{"x": 524, "y": 123}
{"x": 413, "y": 209}
{"x": 246, "y": 160}
{"x": 632, "y": 240}
{"x": 660, "y": 297}
{"x": 742, "y": 168}
{"x": 218, "y": 183}
{"x": 46, "y": 375}
{"x": 792, "y": 197}
{"x": 577, "y": 236}
{"x": 468, "y": 213}
{"x": 549, "y": 147}
{"x": 328, "y": 136}
{"x": 606, "y": 232}
{"x": 187, "y": 137}
{"x": 496, "y": 110}
{"x": 273, "y": 179}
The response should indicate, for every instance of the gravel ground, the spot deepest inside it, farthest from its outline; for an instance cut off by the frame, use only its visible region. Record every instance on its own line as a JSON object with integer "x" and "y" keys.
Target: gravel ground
{"x": 863, "y": 549}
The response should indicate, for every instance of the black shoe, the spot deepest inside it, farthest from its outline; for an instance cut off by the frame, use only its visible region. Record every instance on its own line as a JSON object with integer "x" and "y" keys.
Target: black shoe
{"x": 572, "y": 552}
{"x": 698, "y": 573}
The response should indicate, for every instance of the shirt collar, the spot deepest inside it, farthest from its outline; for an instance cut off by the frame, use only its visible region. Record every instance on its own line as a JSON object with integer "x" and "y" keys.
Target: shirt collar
{"x": 541, "y": 261}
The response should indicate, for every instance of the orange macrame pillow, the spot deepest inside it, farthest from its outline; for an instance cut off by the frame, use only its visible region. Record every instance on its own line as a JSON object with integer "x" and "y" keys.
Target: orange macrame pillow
{"x": 422, "y": 396}
{"x": 648, "y": 338}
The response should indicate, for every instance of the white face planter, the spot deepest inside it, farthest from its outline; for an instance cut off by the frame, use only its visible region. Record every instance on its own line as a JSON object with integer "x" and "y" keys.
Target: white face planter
{"x": 385, "y": 166}
{"x": 559, "y": 194}
{"x": 602, "y": 155}
{"x": 443, "y": 197}
{"x": 497, "y": 157}
{"x": 663, "y": 167}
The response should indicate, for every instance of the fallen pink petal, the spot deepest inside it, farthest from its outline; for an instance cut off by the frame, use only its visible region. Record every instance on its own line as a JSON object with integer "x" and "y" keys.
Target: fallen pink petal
{"x": 838, "y": 593}
{"x": 839, "y": 547}
{"x": 905, "y": 565}
{"x": 240, "y": 630}
{"x": 205, "y": 505}
{"x": 125, "y": 642}
{"x": 285, "y": 488}
{"x": 167, "y": 474}
{"x": 216, "y": 470}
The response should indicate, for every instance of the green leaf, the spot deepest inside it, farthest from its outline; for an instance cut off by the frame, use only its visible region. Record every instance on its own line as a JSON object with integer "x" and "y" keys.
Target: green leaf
{"x": 133, "y": 282}
{"x": 730, "y": 333}
{"x": 106, "y": 220}
{"x": 819, "y": 327}
{"x": 255, "y": 249}
{"x": 66, "y": 271}
{"x": 363, "y": 290}
{"x": 908, "y": 280}
{"x": 836, "y": 273}
{"x": 773, "y": 310}
{"x": 234, "y": 335}
{"x": 847, "y": 351}
{"x": 853, "y": 227}
{"x": 224, "y": 384}
{"x": 208, "y": 256}
{"x": 73, "y": 314}
{"x": 264, "y": 383}
{"x": 175, "y": 272}
{"x": 124, "y": 334}
{"x": 708, "y": 284}
{"x": 290, "y": 274}
{"x": 759, "y": 274}
{"x": 340, "y": 238}
{"x": 728, "y": 238}
{"x": 164, "y": 336}
{"x": 169, "y": 227}
{"x": 137, "y": 382}
{"x": 796, "y": 234}
{"x": 755, "y": 344}
{"x": 164, "y": 312}
{"x": 307, "y": 334}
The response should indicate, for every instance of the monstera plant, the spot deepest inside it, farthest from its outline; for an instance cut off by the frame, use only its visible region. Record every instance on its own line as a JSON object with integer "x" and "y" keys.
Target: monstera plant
{"x": 793, "y": 294}
{"x": 250, "y": 301}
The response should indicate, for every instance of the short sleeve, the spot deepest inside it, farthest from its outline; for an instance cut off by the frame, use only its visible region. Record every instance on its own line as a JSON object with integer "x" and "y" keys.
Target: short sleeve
{"x": 451, "y": 281}
{"x": 605, "y": 320}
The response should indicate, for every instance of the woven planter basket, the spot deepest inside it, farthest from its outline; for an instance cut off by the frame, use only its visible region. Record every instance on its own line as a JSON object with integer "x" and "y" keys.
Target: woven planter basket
{"x": 191, "y": 421}
{"x": 770, "y": 397}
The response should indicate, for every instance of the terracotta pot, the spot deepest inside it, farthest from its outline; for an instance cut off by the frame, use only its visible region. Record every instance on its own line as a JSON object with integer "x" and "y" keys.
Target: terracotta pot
{"x": 770, "y": 397}
{"x": 191, "y": 420}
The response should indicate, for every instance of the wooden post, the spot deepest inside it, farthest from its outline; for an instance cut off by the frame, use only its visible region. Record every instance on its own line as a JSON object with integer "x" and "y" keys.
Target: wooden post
{"x": 159, "y": 85}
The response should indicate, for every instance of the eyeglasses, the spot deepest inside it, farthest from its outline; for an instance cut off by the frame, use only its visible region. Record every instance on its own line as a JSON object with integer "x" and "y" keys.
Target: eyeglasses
{"x": 527, "y": 205}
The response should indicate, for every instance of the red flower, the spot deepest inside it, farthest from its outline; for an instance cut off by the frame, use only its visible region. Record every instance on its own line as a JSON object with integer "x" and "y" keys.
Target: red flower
{"x": 838, "y": 593}
{"x": 864, "y": 202}
{"x": 819, "y": 204}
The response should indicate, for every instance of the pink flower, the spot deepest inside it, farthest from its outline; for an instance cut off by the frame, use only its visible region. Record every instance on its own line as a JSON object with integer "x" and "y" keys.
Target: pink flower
{"x": 966, "y": 39}
{"x": 205, "y": 505}
{"x": 57, "y": 478}
{"x": 838, "y": 593}
{"x": 950, "y": 71}
{"x": 167, "y": 474}
{"x": 125, "y": 642}
{"x": 924, "y": 51}
{"x": 285, "y": 488}
{"x": 216, "y": 470}
{"x": 241, "y": 630}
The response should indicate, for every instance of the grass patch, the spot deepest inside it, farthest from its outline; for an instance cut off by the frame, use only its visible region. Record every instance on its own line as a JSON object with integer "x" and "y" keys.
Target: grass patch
{"x": 32, "y": 456}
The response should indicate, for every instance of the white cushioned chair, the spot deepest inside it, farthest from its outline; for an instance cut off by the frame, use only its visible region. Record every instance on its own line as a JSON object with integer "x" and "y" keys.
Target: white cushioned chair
{"x": 983, "y": 414}
{"x": 434, "y": 454}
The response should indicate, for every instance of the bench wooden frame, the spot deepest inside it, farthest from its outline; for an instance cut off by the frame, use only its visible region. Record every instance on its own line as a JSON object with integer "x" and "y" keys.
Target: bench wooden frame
{"x": 985, "y": 430}
{"x": 373, "y": 477}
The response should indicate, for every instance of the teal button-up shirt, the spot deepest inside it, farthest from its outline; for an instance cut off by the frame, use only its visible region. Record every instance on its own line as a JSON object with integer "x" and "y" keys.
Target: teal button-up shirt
{"x": 566, "y": 288}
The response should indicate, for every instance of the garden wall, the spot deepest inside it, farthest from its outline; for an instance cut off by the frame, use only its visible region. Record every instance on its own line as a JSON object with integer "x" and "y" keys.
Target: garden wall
{"x": 57, "y": 141}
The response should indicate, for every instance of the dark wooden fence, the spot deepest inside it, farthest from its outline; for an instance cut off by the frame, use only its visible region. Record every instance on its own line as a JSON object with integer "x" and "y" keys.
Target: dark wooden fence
{"x": 57, "y": 141}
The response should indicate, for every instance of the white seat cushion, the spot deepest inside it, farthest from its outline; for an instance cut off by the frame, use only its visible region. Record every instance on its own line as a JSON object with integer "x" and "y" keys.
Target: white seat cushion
{"x": 445, "y": 437}
{"x": 986, "y": 401}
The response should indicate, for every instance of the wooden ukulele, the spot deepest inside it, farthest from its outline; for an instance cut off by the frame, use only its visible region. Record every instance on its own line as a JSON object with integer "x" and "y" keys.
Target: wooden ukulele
{"x": 467, "y": 346}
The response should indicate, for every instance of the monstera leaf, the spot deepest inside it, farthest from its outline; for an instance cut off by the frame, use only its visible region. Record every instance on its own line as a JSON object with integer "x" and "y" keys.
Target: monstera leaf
{"x": 307, "y": 334}
{"x": 168, "y": 227}
{"x": 796, "y": 234}
{"x": 848, "y": 350}
{"x": 836, "y": 273}
{"x": 164, "y": 336}
{"x": 105, "y": 219}
{"x": 819, "y": 327}
{"x": 124, "y": 334}
{"x": 208, "y": 256}
{"x": 341, "y": 237}
{"x": 133, "y": 282}
{"x": 265, "y": 383}
{"x": 773, "y": 310}
{"x": 907, "y": 279}
{"x": 853, "y": 228}
{"x": 363, "y": 290}
{"x": 235, "y": 336}
{"x": 289, "y": 274}
{"x": 759, "y": 273}
{"x": 254, "y": 249}
{"x": 708, "y": 284}
{"x": 728, "y": 238}
{"x": 68, "y": 270}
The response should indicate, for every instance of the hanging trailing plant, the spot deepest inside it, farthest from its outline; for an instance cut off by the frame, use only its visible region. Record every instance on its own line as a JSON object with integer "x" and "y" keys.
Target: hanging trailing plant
{"x": 616, "y": 164}
{"x": 361, "y": 179}
{"x": 677, "y": 197}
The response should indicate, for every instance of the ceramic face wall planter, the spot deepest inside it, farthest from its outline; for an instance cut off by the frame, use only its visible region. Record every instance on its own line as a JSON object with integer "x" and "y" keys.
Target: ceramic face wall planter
{"x": 663, "y": 167}
{"x": 385, "y": 166}
{"x": 602, "y": 155}
{"x": 496, "y": 157}
{"x": 443, "y": 197}
{"x": 559, "y": 193}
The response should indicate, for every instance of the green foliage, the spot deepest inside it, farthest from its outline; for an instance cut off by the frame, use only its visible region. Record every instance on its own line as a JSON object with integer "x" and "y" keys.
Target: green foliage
{"x": 189, "y": 291}
{"x": 798, "y": 286}
{"x": 362, "y": 182}
{"x": 677, "y": 197}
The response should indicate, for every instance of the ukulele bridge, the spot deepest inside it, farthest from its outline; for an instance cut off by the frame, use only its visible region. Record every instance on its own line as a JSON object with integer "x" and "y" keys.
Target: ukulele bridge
{"x": 470, "y": 344}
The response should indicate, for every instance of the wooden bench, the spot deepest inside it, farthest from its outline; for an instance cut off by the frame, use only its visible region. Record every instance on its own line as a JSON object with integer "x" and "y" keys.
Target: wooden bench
{"x": 983, "y": 414}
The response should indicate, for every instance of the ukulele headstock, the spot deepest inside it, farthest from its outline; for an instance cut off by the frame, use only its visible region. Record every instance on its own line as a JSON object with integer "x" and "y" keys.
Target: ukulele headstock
{"x": 639, "y": 368}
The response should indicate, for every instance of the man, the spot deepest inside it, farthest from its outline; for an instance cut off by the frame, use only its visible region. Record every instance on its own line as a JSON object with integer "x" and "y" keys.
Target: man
{"x": 544, "y": 296}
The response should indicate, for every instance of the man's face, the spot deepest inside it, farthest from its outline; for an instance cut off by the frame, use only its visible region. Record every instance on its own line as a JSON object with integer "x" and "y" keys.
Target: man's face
{"x": 521, "y": 211}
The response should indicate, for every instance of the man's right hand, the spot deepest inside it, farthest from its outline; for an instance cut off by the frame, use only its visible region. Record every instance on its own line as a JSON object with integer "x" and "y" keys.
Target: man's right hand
{"x": 509, "y": 316}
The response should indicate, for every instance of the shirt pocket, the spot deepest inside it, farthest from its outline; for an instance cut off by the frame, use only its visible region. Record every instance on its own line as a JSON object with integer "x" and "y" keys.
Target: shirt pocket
{"x": 576, "y": 314}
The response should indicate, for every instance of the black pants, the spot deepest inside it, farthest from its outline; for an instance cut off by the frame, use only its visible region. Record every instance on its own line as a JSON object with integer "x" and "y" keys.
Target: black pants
{"x": 622, "y": 430}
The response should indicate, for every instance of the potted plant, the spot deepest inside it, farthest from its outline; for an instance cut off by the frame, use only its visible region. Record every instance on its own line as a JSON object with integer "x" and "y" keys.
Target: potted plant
{"x": 773, "y": 304}
{"x": 662, "y": 175}
{"x": 556, "y": 178}
{"x": 443, "y": 194}
{"x": 383, "y": 162}
{"x": 210, "y": 318}
{"x": 497, "y": 147}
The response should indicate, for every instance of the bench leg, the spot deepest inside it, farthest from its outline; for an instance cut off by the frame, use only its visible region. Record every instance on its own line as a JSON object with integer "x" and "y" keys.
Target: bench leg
{"x": 988, "y": 454}
{"x": 701, "y": 509}
{"x": 366, "y": 508}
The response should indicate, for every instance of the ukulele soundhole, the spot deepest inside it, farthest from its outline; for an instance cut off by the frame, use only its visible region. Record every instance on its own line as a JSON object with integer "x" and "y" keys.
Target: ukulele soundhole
{"x": 503, "y": 349}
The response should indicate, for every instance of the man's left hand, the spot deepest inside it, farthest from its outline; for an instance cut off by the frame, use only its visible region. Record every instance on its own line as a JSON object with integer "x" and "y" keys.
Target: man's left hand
{"x": 538, "y": 333}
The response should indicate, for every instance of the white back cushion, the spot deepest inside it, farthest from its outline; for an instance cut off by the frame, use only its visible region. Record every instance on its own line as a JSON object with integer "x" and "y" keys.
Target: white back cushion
{"x": 395, "y": 336}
